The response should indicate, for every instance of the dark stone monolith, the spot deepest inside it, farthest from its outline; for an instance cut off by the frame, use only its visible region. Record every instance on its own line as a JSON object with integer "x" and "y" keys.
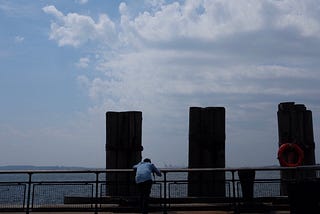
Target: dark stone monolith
{"x": 206, "y": 150}
{"x": 295, "y": 126}
{"x": 123, "y": 149}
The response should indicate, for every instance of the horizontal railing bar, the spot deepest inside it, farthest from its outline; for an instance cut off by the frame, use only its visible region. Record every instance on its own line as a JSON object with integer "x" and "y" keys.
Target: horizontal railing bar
{"x": 164, "y": 170}
{"x": 169, "y": 189}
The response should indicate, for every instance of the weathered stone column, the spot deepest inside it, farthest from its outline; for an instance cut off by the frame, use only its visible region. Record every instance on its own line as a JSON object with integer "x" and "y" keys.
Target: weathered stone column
{"x": 295, "y": 126}
{"x": 206, "y": 150}
{"x": 123, "y": 149}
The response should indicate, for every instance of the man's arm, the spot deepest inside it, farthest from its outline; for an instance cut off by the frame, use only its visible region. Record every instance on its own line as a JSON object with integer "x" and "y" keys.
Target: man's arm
{"x": 135, "y": 167}
{"x": 157, "y": 171}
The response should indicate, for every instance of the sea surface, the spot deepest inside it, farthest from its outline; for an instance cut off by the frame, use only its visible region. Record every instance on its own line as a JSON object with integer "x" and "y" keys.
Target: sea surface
{"x": 48, "y": 189}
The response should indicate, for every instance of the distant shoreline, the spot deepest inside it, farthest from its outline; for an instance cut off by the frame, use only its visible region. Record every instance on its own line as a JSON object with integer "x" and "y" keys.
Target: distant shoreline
{"x": 31, "y": 167}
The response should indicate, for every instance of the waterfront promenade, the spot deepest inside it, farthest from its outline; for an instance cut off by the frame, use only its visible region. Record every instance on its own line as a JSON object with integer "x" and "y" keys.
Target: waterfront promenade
{"x": 169, "y": 212}
{"x": 87, "y": 191}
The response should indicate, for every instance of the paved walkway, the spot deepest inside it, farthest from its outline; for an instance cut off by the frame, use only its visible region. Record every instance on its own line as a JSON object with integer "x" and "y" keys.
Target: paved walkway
{"x": 170, "y": 212}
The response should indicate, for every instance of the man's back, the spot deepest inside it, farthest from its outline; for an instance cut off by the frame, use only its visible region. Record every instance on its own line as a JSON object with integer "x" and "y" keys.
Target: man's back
{"x": 144, "y": 170}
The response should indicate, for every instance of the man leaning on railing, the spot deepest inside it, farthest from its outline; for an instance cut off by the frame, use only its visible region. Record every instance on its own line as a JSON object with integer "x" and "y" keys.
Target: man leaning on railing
{"x": 143, "y": 179}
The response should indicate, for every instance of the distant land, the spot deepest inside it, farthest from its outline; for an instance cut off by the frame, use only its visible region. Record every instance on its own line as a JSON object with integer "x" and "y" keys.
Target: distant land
{"x": 31, "y": 167}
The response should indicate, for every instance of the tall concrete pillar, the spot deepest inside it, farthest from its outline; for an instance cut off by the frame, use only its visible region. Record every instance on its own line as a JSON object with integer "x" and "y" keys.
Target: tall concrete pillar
{"x": 206, "y": 150}
{"x": 123, "y": 149}
{"x": 295, "y": 126}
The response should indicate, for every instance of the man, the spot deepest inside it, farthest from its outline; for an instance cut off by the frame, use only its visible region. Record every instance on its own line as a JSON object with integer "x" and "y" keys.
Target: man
{"x": 143, "y": 178}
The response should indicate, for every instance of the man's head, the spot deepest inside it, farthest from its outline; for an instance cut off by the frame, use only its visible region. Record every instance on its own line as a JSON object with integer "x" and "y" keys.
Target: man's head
{"x": 147, "y": 160}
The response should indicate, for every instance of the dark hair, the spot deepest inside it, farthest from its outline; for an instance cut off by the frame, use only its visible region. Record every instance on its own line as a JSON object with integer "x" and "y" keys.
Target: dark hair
{"x": 147, "y": 160}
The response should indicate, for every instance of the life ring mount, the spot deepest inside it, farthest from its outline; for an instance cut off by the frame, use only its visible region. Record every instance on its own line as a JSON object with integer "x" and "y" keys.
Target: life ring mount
{"x": 290, "y": 155}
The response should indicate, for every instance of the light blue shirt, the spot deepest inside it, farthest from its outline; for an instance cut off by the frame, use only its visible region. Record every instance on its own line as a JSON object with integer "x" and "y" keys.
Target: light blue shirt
{"x": 144, "y": 170}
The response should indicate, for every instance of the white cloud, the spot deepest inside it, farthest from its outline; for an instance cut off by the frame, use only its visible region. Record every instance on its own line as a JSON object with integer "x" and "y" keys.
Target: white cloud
{"x": 155, "y": 3}
{"x": 207, "y": 20}
{"x": 83, "y": 62}
{"x": 53, "y": 11}
{"x": 207, "y": 53}
{"x": 18, "y": 39}
{"x": 74, "y": 29}
{"x": 82, "y": 1}
{"x": 303, "y": 16}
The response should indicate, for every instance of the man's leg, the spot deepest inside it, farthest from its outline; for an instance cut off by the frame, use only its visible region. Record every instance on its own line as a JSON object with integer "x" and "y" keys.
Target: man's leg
{"x": 146, "y": 190}
{"x": 140, "y": 189}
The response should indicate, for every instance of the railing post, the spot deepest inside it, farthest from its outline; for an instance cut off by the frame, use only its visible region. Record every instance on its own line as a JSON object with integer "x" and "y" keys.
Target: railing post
{"x": 165, "y": 192}
{"x": 97, "y": 194}
{"x": 234, "y": 191}
{"x": 247, "y": 178}
{"x": 29, "y": 193}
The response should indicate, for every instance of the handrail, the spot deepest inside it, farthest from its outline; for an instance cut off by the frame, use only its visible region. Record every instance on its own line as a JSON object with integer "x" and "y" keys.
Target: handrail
{"x": 268, "y": 168}
{"x": 165, "y": 182}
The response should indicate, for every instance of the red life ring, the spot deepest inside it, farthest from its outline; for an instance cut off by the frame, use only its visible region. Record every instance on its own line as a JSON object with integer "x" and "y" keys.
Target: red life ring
{"x": 290, "y": 155}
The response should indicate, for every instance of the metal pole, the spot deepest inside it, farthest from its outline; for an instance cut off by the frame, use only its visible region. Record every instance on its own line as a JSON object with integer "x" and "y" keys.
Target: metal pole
{"x": 29, "y": 192}
{"x": 96, "y": 195}
{"x": 234, "y": 191}
{"x": 165, "y": 192}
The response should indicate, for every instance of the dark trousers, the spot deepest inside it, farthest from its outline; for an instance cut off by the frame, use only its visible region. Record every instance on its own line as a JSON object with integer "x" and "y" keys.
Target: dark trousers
{"x": 145, "y": 190}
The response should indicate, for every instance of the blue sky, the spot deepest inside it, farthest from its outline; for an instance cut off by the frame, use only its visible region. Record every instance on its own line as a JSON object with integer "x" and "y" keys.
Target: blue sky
{"x": 64, "y": 64}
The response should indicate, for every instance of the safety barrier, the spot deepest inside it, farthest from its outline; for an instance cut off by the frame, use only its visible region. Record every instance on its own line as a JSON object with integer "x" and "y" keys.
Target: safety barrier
{"x": 90, "y": 190}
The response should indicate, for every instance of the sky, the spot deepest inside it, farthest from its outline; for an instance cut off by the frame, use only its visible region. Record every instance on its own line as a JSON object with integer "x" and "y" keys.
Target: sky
{"x": 64, "y": 64}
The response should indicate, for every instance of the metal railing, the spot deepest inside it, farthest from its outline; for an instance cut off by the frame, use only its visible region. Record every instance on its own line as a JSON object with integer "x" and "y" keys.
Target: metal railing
{"x": 114, "y": 189}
